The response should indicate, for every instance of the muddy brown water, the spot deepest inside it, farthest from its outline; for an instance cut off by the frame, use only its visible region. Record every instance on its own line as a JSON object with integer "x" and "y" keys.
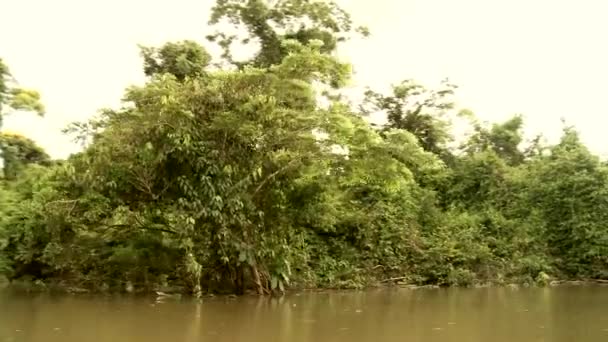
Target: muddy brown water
{"x": 578, "y": 313}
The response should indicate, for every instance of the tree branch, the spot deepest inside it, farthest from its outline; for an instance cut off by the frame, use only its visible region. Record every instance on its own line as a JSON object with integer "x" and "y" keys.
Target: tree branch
{"x": 274, "y": 174}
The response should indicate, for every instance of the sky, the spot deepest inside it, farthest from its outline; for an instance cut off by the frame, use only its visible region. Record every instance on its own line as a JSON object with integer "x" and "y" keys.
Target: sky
{"x": 540, "y": 58}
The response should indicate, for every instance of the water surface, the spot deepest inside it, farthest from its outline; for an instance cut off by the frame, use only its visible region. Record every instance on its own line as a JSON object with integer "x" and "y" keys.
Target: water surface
{"x": 472, "y": 315}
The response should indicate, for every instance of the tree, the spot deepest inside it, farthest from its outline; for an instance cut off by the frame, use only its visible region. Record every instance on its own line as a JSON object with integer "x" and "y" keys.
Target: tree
{"x": 269, "y": 23}
{"x": 570, "y": 187}
{"x": 17, "y": 152}
{"x": 13, "y": 97}
{"x": 191, "y": 181}
{"x": 504, "y": 139}
{"x": 414, "y": 108}
{"x": 182, "y": 59}
{"x": 222, "y": 172}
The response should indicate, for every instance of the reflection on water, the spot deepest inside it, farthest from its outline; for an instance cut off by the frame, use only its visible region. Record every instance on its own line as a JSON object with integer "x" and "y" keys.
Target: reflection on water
{"x": 501, "y": 314}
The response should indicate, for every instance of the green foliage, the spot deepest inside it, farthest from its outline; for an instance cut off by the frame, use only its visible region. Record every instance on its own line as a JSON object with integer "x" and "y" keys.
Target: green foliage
{"x": 17, "y": 152}
{"x": 183, "y": 59}
{"x": 236, "y": 179}
{"x": 7, "y": 200}
{"x": 418, "y": 110}
{"x": 569, "y": 186}
{"x": 504, "y": 139}
{"x": 15, "y": 98}
{"x": 269, "y": 23}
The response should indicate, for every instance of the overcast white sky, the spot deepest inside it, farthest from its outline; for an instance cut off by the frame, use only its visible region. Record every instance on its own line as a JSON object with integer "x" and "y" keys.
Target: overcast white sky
{"x": 545, "y": 59}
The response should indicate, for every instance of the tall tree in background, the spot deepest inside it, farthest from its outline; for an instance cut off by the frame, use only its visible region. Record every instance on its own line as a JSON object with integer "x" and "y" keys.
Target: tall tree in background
{"x": 418, "y": 110}
{"x": 180, "y": 59}
{"x": 15, "y": 151}
{"x": 15, "y": 98}
{"x": 269, "y": 23}
{"x": 504, "y": 139}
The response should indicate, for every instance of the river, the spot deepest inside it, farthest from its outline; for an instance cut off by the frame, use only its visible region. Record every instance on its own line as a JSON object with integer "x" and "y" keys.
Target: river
{"x": 575, "y": 313}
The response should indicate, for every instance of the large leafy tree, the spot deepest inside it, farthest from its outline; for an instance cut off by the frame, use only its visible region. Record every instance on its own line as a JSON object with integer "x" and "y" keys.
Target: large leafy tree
{"x": 204, "y": 163}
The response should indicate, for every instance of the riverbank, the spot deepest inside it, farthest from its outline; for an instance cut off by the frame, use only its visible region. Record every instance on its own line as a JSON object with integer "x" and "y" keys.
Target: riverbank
{"x": 178, "y": 292}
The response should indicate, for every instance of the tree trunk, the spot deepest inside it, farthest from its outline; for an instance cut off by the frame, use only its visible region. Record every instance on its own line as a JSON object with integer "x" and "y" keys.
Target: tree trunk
{"x": 257, "y": 279}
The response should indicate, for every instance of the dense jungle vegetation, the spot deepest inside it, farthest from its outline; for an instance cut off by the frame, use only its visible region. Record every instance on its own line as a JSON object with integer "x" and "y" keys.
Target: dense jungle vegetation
{"x": 225, "y": 175}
